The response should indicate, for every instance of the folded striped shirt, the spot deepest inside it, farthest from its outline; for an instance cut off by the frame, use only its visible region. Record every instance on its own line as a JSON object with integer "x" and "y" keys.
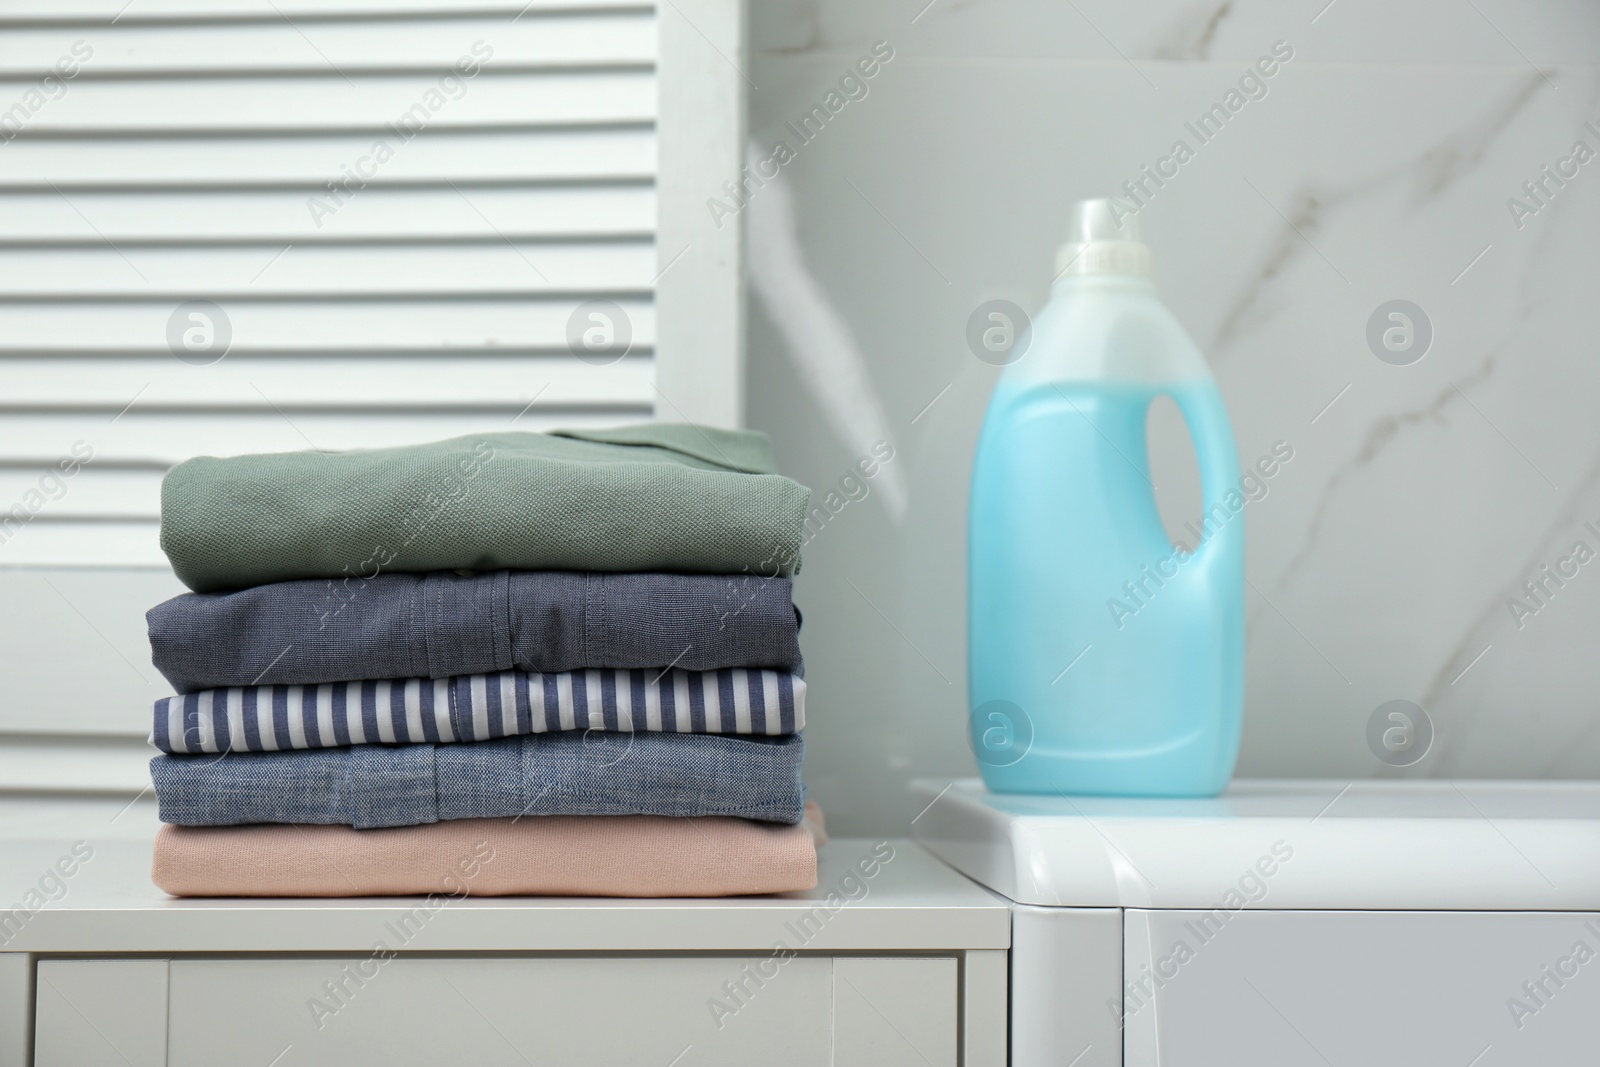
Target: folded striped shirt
{"x": 478, "y": 707}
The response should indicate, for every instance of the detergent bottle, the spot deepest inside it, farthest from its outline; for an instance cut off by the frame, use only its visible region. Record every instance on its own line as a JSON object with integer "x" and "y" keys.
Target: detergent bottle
{"x": 1103, "y": 658}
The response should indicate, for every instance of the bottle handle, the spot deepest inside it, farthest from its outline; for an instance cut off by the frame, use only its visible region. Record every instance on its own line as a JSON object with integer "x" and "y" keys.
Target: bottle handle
{"x": 1218, "y": 459}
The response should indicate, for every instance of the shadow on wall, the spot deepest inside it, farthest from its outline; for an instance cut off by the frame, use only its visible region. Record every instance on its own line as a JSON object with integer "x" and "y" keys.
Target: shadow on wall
{"x": 886, "y": 659}
{"x": 821, "y": 347}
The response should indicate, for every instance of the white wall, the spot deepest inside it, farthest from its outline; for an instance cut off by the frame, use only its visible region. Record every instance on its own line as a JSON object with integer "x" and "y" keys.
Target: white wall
{"x": 1377, "y": 167}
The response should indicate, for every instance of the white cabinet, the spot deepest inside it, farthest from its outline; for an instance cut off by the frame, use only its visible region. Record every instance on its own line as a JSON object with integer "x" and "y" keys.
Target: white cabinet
{"x": 906, "y": 967}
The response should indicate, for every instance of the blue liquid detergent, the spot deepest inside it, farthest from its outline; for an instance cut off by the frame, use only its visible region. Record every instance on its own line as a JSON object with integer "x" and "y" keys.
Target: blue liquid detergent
{"x": 1103, "y": 659}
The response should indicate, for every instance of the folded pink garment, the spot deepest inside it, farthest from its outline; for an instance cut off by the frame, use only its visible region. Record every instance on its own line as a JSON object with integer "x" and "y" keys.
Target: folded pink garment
{"x": 547, "y": 855}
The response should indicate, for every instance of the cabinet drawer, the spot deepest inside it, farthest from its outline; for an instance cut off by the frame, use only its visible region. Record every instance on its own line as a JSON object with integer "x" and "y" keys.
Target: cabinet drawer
{"x": 690, "y": 1011}
{"x": 100, "y": 1013}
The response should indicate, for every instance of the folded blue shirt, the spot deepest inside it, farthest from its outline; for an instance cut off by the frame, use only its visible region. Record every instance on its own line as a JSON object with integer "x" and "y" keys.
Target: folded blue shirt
{"x": 442, "y": 624}
{"x": 570, "y": 773}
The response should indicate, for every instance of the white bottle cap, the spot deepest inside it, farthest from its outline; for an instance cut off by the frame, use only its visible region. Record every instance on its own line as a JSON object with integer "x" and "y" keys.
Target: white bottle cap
{"x": 1103, "y": 238}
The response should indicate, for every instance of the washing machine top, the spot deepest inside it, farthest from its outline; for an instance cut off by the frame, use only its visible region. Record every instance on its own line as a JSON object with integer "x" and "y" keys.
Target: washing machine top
{"x": 1279, "y": 845}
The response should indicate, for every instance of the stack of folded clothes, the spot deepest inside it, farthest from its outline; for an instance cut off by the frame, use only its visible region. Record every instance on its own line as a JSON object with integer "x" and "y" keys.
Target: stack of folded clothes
{"x": 511, "y": 663}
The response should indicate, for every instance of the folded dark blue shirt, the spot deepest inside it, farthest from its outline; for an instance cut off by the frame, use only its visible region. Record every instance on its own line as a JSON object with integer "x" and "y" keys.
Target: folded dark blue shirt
{"x": 569, "y": 773}
{"x": 441, "y": 624}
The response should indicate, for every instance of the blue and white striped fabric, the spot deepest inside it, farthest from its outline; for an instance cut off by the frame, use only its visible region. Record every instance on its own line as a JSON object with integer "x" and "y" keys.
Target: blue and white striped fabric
{"x": 478, "y": 707}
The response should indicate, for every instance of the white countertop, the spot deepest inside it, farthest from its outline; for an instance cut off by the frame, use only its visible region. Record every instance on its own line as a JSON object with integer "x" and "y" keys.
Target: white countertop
{"x": 914, "y": 903}
{"x": 1469, "y": 845}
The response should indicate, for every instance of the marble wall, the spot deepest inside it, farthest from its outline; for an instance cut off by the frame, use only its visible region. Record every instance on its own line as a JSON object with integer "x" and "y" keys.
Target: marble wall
{"x": 1378, "y": 163}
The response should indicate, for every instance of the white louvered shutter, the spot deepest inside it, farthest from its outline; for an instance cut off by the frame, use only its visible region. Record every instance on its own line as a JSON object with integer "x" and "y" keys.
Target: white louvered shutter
{"x": 388, "y": 212}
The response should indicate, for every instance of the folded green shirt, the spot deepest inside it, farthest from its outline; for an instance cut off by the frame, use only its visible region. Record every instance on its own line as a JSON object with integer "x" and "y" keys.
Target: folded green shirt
{"x": 652, "y": 497}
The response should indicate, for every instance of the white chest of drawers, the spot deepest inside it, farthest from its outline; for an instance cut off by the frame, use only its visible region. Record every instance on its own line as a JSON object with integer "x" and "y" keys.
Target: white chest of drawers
{"x": 905, "y": 967}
